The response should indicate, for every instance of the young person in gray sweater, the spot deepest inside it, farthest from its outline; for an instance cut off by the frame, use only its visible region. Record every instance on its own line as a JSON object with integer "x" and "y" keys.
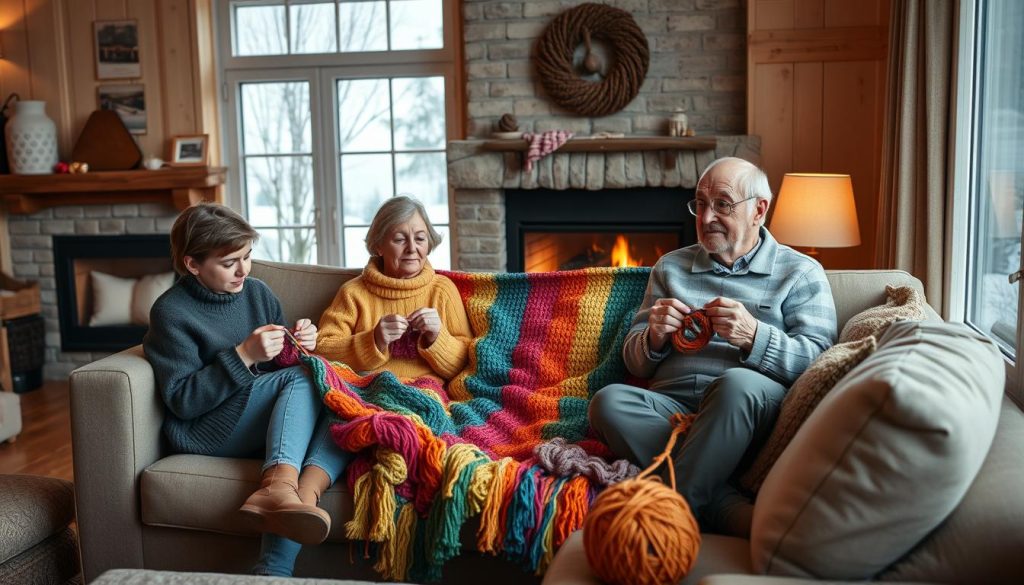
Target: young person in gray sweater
{"x": 212, "y": 340}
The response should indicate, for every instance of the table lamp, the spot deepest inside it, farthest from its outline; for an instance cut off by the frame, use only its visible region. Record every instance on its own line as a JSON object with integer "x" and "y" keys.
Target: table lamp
{"x": 816, "y": 210}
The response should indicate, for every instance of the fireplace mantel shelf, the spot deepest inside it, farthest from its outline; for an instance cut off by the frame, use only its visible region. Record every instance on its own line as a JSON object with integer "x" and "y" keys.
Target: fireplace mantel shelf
{"x": 629, "y": 144}
{"x": 177, "y": 186}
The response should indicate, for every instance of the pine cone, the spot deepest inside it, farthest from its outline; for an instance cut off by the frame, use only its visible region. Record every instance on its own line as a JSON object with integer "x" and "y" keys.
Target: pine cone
{"x": 508, "y": 123}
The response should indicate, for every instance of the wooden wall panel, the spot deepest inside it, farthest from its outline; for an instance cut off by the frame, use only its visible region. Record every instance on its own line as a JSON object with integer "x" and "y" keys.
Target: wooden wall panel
{"x": 828, "y": 116}
{"x": 850, "y": 144}
{"x": 82, "y": 75}
{"x": 176, "y": 67}
{"x": 773, "y": 117}
{"x": 808, "y": 89}
{"x": 145, "y": 12}
{"x": 809, "y": 14}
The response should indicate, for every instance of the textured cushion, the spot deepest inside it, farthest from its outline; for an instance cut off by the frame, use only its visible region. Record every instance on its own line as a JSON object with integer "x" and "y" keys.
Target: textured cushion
{"x": 718, "y": 554}
{"x": 806, "y": 393}
{"x": 902, "y": 303}
{"x": 54, "y": 560}
{"x": 885, "y": 457}
{"x": 982, "y": 540}
{"x": 145, "y": 577}
{"x": 32, "y": 509}
{"x": 145, "y": 293}
{"x": 112, "y": 299}
{"x": 171, "y": 486}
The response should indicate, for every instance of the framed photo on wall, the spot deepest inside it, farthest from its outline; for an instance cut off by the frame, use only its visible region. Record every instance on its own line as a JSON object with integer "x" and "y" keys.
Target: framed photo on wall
{"x": 189, "y": 151}
{"x": 117, "y": 49}
{"x": 128, "y": 101}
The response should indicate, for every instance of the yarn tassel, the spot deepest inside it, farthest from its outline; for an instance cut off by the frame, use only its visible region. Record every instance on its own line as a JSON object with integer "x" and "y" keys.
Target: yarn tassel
{"x": 356, "y": 528}
{"x": 488, "y": 538}
{"x": 394, "y": 558}
{"x": 388, "y": 472}
{"x": 521, "y": 516}
{"x": 479, "y": 486}
{"x": 574, "y": 501}
{"x": 543, "y": 533}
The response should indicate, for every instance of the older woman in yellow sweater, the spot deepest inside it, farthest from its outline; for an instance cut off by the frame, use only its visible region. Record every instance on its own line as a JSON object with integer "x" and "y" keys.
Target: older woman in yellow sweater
{"x": 398, "y": 314}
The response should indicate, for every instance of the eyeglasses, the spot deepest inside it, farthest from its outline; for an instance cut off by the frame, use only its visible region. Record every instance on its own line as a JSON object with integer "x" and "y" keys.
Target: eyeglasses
{"x": 720, "y": 207}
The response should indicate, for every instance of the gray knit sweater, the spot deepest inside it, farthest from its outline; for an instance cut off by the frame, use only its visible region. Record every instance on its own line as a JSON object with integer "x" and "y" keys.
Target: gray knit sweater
{"x": 191, "y": 345}
{"x": 786, "y": 291}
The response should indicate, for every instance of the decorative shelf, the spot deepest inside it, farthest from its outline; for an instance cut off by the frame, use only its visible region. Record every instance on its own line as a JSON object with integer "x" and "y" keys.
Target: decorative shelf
{"x": 177, "y": 186}
{"x": 609, "y": 144}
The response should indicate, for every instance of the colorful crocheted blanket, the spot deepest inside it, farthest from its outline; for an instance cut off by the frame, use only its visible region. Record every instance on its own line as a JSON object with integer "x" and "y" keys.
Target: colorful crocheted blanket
{"x": 489, "y": 444}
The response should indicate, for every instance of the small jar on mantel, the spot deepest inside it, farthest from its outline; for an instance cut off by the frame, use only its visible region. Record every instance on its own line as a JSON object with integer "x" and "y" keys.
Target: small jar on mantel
{"x": 31, "y": 139}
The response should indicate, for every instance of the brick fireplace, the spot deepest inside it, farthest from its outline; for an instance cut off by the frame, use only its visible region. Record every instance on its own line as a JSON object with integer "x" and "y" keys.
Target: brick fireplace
{"x": 479, "y": 180}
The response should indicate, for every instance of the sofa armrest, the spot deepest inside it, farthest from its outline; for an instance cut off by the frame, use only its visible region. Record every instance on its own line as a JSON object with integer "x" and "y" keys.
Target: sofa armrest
{"x": 116, "y": 416}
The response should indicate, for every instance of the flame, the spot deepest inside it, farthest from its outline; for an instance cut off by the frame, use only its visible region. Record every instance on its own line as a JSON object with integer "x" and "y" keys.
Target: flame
{"x": 620, "y": 253}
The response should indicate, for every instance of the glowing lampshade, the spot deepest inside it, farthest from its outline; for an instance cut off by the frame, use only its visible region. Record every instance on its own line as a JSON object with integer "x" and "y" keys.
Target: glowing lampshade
{"x": 816, "y": 210}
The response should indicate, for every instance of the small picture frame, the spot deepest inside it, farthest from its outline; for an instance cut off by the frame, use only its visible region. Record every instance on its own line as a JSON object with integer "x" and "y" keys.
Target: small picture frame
{"x": 128, "y": 101}
{"x": 188, "y": 151}
{"x": 117, "y": 49}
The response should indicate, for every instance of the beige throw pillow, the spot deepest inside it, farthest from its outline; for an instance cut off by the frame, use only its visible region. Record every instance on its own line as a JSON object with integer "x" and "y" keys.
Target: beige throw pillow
{"x": 112, "y": 299}
{"x": 119, "y": 301}
{"x": 903, "y": 304}
{"x": 885, "y": 457}
{"x": 147, "y": 291}
{"x": 802, "y": 398}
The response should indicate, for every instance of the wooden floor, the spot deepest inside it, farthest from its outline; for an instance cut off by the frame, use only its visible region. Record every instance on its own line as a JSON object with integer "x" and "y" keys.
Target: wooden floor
{"x": 44, "y": 445}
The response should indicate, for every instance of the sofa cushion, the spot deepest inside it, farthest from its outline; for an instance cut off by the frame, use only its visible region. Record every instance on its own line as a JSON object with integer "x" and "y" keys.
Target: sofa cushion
{"x": 32, "y": 509}
{"x": 982, "y": 540}
{"x": 856, "y": 290}
{"x": 902, "y": 303}
{"x": 885, "y": 457}
{"x": 802, "y": 398}
{"x": 718, "y": 554}
{"x": 172, "y": 486}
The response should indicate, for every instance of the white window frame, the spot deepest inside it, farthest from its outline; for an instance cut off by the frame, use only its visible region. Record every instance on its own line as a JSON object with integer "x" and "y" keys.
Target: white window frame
{"x": 319, "y": 70}
{"x": 963, "y": 208}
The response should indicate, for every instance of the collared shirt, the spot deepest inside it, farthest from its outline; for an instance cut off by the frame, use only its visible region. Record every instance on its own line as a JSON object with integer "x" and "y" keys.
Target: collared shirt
{"x": 740, "y": 265}
{"x": 786, "y": 291}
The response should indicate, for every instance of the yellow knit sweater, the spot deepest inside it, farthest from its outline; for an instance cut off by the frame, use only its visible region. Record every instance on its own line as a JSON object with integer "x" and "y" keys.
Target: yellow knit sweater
{"x": 346, "y": 327}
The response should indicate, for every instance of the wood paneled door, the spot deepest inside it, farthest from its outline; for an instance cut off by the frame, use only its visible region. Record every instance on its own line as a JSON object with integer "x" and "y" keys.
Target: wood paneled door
{"x": 816, "y": 74}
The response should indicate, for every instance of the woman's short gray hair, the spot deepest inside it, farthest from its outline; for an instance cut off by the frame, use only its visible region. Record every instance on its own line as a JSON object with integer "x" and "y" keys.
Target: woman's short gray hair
{"x": 751, "y": 181}
{"x": 394, "y": 212}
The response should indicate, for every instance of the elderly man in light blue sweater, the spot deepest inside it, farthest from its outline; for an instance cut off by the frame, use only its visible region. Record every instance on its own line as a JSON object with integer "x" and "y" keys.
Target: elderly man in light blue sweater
{"x": 772, "y": 313}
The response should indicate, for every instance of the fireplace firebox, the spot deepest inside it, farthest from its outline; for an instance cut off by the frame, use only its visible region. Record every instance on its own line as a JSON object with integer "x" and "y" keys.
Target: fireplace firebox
{"x": 550, "y": 230}
{"x": 124, "y": 257}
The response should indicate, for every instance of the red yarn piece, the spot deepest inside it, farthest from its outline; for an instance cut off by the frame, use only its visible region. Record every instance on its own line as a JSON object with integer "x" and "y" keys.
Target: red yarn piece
{"x": 698, "y": 325}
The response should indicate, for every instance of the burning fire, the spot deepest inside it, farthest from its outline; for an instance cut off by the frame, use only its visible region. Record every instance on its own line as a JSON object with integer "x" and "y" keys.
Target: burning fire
{"x": 620, "y": 253}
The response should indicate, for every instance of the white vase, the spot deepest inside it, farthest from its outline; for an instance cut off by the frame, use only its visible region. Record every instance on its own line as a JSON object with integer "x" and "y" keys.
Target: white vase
{"x": 31, "y": 139}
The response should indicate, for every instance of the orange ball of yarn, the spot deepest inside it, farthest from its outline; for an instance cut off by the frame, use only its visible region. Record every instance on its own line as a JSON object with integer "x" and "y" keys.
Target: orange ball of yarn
{"x": 641, "y": 532}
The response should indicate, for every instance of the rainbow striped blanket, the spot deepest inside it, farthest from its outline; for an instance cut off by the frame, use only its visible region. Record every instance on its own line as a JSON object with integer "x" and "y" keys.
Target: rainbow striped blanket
{"x": 433, "y": 457}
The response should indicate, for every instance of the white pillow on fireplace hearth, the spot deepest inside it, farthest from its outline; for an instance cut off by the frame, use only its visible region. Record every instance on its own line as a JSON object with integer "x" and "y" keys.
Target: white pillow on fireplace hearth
{"x": 147, "y": 291}
{"x": 111, "y": 299}
{"x": 125, "y": 301}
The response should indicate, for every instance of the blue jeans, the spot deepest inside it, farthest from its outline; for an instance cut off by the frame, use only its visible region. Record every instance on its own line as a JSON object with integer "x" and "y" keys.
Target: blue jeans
{"x": 285, "y": 422}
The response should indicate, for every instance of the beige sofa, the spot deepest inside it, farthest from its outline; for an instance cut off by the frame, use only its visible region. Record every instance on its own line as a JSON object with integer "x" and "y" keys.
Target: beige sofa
{"x": 140, "y": 507}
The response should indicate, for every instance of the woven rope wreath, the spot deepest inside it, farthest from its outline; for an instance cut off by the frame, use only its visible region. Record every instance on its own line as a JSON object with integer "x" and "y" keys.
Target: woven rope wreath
{"x": 555, "y": 49}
